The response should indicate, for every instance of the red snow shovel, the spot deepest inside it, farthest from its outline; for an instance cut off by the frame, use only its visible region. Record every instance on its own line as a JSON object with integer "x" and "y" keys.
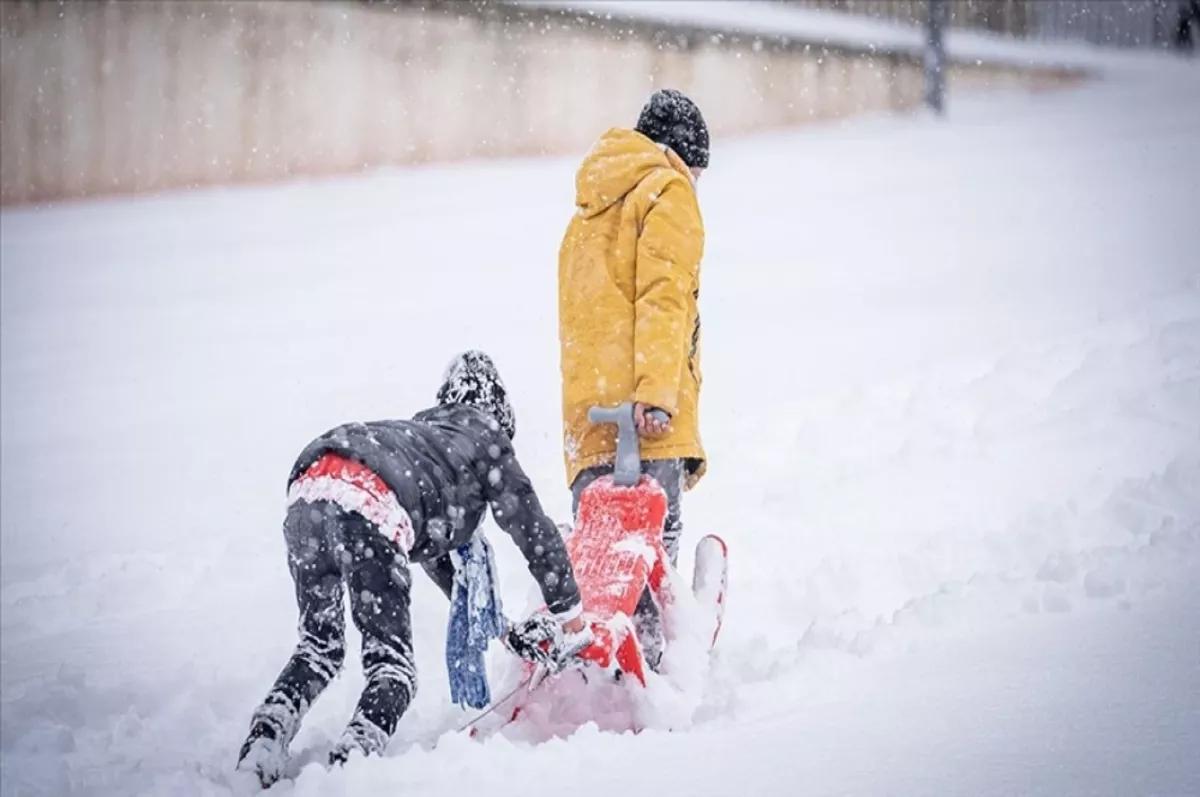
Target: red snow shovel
{"x": 616, "y": 550}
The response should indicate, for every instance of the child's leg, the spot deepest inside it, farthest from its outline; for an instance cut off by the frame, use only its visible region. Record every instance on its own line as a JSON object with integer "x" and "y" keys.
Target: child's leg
{"x": 380, "y": 585}
{"x": 669, "y": 474}
{"x": 647, "y": 618}
{"x": 582, "y": 482}
{"x": 309, "y": 530}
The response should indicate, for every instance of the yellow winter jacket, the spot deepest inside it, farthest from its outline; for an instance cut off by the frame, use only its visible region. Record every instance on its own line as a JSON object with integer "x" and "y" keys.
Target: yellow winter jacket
{"x": 628, "y": 283}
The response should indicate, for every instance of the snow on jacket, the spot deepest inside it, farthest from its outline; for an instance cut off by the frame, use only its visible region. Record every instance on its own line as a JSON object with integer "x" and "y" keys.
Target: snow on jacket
{"x": 628, "y": 281}
{"x": 446, "y": 466}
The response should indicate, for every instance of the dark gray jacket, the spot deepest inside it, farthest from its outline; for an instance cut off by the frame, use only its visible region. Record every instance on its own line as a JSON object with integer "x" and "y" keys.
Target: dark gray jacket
{"x": 446, "y": 466}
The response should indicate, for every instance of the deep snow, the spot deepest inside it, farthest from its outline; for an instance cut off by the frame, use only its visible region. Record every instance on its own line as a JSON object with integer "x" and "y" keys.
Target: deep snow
{"x": 952, "y": 400}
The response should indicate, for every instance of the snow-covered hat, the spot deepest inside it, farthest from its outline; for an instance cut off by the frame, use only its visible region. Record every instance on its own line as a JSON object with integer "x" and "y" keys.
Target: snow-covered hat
{"x": 670, "y": 118}
{"x": 472, "y": 379}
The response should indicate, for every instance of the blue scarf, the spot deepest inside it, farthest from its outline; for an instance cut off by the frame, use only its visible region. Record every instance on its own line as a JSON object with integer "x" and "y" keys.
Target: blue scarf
{"x": 475, "y": 619}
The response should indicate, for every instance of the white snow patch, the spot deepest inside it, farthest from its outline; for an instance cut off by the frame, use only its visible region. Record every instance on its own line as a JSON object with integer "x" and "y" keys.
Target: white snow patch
{"x": 636, "y": 545}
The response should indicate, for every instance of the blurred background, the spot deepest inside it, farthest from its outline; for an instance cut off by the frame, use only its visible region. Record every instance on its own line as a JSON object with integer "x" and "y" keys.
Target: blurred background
{"x": 107, "y": 97}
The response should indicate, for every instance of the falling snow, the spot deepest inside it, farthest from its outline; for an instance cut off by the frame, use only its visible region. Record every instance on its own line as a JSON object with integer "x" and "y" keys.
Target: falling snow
{"x": 951, "y": 384}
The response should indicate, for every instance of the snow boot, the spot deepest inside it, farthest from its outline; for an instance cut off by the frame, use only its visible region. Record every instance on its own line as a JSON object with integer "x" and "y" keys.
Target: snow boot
{"x": 264, "y": 753}
{"x": 361, "y": 736}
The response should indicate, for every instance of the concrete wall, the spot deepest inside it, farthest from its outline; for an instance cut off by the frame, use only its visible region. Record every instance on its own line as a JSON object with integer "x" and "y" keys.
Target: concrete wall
{"x": 120, "y": 97}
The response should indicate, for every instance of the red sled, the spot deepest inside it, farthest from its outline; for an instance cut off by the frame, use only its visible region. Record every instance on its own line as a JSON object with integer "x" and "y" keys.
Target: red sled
{"x": 616, "y": 550}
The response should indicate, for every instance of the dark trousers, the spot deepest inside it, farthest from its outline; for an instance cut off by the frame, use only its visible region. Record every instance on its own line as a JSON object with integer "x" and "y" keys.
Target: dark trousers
{"x": 329, "y": 551}
{"x": 669, "y": 474}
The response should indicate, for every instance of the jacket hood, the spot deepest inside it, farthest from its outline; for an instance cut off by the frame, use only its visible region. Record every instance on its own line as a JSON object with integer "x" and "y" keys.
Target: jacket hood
{"x": 616, "y": 164}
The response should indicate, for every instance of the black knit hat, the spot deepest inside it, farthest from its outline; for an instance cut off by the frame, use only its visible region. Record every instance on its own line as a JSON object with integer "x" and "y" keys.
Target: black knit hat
{"x": 472, "y": 379}
{"x": 671, "y": 118}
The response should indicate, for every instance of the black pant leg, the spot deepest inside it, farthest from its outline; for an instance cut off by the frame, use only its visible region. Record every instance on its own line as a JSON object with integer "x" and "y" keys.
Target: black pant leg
{"x": 380, "y": 584}
{"x": 310, "y": 531}
{"x": 669, "y": 474}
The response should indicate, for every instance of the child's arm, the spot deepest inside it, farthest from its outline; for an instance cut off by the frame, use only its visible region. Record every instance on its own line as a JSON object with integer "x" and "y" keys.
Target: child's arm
{"x": 518, "y": 512}
{"x": 669, "y": 248}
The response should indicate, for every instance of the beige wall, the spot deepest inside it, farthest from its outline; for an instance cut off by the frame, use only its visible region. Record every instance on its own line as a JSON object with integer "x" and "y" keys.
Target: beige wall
{"x": 137, "y": 95}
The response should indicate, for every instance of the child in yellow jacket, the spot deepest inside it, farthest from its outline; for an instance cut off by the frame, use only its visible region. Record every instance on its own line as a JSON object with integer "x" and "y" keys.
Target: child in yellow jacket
{"x": 629, "y": 283}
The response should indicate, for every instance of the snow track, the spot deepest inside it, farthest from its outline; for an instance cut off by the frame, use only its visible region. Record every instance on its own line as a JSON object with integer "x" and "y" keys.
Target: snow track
{"x": 952, "y": 400}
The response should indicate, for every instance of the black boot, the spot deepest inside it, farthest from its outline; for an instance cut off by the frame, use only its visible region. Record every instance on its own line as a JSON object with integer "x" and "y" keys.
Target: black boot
{"x": 264, "y": 753}
{"x": 647, "y": 622}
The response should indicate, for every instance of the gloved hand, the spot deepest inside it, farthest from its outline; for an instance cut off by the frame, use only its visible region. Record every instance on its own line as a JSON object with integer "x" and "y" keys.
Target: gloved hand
{"x": 542, "y": 640}
{"x": 533, "y": 638}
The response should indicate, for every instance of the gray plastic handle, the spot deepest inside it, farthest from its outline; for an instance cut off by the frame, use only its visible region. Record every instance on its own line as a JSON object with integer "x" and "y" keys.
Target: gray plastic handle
{"x": 627, "y": 471}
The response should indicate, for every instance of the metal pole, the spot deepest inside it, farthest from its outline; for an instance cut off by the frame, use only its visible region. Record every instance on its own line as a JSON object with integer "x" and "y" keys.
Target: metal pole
{"x": 935, "y": 58}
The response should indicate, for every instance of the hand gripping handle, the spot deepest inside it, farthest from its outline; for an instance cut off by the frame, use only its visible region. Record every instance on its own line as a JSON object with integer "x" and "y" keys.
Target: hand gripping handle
{"x": 627, "y": 471}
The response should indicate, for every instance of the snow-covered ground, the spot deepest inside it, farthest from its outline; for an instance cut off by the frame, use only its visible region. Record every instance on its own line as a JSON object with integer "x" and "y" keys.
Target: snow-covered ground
{"x": 952, "y": 400}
